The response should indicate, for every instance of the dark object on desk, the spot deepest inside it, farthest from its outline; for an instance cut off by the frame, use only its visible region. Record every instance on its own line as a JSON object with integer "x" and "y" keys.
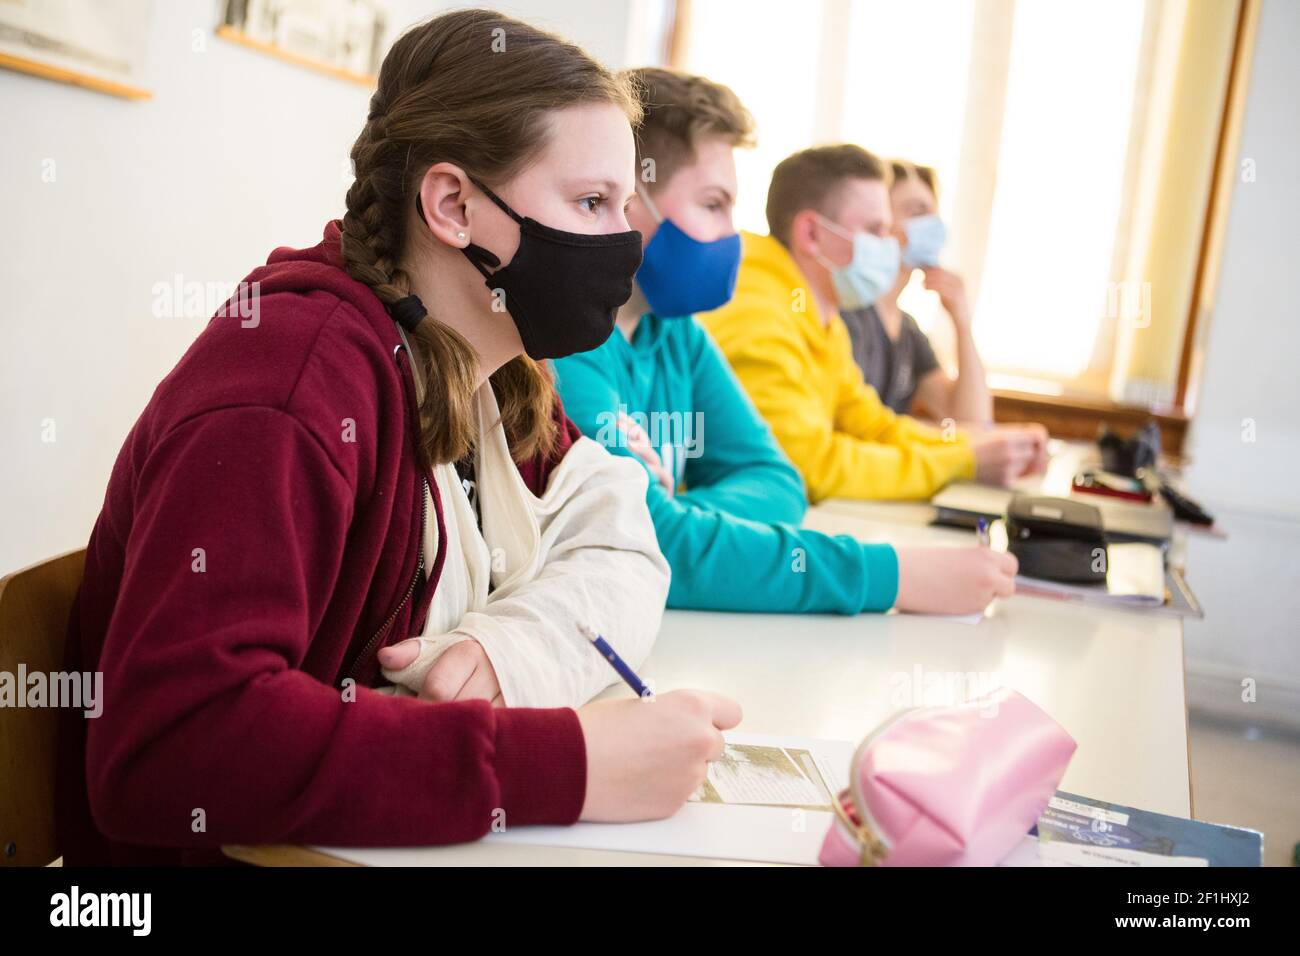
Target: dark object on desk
{"x": 1127, "y": 456}
{"x": 961, "y": 504}
{"x": 1185, "y": 509}
{"x": 954, "y": 518}
{"x": 1057, "y": 539}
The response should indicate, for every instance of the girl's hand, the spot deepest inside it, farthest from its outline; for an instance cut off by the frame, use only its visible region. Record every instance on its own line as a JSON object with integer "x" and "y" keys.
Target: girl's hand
{"x": 952, "y": 294}
{"x": 953, "y": 580}
{"x": 463, "y": 672}
{"x": 638, "y": 442}
{"x": 645, "y": 757}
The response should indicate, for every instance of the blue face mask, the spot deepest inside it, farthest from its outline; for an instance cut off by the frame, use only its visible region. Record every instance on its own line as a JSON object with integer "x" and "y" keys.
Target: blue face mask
{"x": 869, "y": 274}
{"x": 681, "y": 276}
{"x": 925, "y": 237}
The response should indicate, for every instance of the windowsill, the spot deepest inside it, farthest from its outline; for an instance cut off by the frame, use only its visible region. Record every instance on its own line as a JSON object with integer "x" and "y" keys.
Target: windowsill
{"x": 1078, "y": 416}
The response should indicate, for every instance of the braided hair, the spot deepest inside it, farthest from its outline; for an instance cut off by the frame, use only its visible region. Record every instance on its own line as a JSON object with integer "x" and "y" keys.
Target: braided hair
{"x": 473, "y": 88}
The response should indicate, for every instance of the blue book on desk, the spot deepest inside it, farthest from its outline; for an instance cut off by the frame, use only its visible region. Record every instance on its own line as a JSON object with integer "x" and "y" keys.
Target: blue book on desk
{"x": 1075, "y": 819}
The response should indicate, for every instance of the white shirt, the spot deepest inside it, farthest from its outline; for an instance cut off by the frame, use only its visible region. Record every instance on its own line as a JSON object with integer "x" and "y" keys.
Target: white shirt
{"x": 585, "y": 551}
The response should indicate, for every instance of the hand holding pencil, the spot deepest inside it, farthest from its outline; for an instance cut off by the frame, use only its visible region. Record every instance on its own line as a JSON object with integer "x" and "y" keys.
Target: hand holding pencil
{"x": 644, "y": 762}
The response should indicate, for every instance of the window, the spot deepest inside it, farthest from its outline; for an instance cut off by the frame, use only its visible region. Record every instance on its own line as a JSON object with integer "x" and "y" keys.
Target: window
{"x": 1072, "y": 142}
{"x": 1059, "y": 186}
{"x": 768, "y": 58}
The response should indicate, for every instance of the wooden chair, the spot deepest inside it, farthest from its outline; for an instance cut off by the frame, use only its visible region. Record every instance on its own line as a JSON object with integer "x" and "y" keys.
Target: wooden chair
{"x": 34, "y": 608}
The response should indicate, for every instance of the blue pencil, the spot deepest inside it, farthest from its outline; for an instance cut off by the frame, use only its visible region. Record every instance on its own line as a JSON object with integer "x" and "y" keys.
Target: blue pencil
{"x": 982, "y": 532}
{"x": 629, "y": 676}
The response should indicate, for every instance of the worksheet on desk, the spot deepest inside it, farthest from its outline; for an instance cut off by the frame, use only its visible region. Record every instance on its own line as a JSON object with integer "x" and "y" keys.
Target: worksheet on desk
{"x": 768, "y": 800}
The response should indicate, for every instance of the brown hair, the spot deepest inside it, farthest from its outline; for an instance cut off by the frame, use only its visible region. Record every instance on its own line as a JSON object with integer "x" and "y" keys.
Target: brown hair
{"x": 473, "y": 88}
{"x": 811, "y": 179}
{"x": 903, "y": 171}
{"x": 678, "y": 110}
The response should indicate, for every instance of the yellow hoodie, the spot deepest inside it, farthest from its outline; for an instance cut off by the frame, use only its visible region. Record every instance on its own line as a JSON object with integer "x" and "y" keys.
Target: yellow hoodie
{"x": 801, "y": 375}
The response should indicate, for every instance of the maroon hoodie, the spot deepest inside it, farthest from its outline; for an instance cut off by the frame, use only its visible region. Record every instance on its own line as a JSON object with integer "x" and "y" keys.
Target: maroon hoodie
{"x": 260, "y": 541}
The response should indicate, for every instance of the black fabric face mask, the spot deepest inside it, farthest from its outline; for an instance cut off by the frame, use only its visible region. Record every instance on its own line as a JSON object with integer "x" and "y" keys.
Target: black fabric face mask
{"x": 562, "y": 289}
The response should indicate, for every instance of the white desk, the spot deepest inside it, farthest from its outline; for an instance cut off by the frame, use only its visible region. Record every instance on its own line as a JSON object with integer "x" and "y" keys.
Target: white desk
{"x": 1113, "y": 679}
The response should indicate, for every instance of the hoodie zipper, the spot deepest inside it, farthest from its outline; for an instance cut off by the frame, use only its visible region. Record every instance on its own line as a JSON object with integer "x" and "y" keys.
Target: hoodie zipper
{"x": 369, "y": 647}
{"x": 412, "y": 414}
{"x": 412, "y": 405}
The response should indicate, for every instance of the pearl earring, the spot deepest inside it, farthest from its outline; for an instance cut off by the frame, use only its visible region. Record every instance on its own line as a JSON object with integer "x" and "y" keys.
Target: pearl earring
{"x": 460, "y": 236}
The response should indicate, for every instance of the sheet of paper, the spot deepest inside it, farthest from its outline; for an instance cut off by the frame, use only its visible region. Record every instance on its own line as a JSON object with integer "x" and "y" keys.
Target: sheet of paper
{"x": 1080, "y": 854}
{"x": 767, "y": 801}
{"x": 1030, "y": 851}
{"x": 749, "y": 815}
{"x": 973, "y": 618}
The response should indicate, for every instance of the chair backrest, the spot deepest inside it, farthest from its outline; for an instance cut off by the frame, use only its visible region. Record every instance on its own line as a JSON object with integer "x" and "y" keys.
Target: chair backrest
{"x": 34, "y": 608}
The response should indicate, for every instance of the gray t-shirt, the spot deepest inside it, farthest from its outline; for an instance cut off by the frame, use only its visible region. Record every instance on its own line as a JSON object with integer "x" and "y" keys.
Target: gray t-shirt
{"x": 892, "y": 367}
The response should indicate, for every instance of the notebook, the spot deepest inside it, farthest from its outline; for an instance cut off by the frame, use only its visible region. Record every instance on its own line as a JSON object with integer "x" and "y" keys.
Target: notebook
{"x": 1081, "y": 831}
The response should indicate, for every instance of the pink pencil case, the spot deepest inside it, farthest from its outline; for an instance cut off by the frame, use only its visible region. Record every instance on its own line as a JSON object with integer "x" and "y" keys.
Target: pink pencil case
{"x": 948, "y": 786}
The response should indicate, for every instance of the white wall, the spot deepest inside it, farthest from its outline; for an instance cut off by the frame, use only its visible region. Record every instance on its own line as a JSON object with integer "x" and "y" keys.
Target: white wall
{"x": 1250, "y": 584}
{"x": 236, "y": 153}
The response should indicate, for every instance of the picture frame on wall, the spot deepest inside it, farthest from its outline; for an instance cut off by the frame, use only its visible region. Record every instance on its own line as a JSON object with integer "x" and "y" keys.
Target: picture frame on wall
{"x": 341, "y": 38}
{"x": 98, "y": 46}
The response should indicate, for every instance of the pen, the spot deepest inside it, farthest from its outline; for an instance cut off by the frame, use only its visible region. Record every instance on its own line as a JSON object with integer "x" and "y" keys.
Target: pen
{"x": 629, "y": 676}
{"x": 982, "y": 532}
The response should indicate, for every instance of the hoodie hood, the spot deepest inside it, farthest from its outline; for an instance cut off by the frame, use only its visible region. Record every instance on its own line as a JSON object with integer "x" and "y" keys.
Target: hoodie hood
{"x": 769, "y": 271}
{"x": 319, "y": 269}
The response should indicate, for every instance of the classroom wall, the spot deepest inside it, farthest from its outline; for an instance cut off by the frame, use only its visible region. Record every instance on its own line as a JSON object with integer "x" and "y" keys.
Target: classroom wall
{"x": 1250, "y": 584}
{"x": 236, "y": 153}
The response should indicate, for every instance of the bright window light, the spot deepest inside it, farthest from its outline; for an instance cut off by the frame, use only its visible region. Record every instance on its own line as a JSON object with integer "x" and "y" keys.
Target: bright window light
{"x": 1060, "y": 182}
{"x": 768, "y": 56}
{"x": 1048, "y": 264}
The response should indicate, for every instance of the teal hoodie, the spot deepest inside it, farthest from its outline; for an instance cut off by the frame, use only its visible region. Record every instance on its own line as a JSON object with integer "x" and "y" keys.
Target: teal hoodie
{"x": 730, "y": 532}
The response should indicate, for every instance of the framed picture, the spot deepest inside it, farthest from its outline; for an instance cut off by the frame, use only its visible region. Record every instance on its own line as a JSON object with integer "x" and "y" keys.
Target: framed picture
{"x": 342, "y": 38}
{"x": 99, "y": 46}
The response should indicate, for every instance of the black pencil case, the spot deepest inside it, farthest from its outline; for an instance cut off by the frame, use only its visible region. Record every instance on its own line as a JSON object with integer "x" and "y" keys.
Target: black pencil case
{"x": 1057, "y": 539}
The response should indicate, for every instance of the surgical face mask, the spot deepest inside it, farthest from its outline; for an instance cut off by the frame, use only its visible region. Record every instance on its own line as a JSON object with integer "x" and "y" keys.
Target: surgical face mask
{"x": 870, "y": 272}
{"x": 562, "y": 289}
{"x": 681, "y": 275}
{"x": 925, "y": 238}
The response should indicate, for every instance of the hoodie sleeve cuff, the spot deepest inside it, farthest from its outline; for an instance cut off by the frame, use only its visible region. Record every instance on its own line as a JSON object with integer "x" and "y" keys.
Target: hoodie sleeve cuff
{"x": 541, "y": 765}
{"x": 880, "y": 571}
{"x": 967, "y": 472}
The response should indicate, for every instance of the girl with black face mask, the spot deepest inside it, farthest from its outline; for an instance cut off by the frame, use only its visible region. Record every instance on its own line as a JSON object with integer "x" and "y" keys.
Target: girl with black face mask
{"x": 373, "y": 494}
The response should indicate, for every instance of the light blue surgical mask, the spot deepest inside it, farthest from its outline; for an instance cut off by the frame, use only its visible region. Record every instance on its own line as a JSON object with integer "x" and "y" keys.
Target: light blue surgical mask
{"x": 870, "y": 272}
{"x": 925, "y": 238}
